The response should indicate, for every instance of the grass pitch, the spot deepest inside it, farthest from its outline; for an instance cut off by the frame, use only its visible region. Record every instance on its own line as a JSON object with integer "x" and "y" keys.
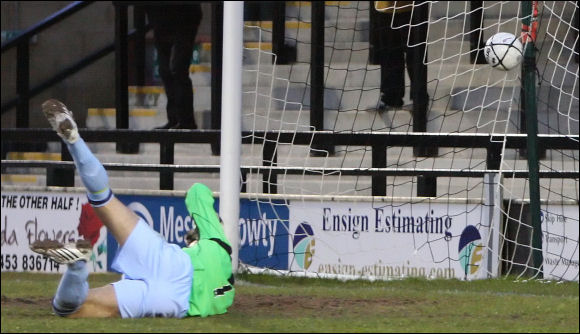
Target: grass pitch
{"x": 278, "y": 304}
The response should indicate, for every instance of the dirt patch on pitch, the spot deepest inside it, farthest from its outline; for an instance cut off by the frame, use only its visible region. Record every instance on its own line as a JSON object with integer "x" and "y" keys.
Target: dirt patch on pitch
{"x": 323, "y": 306}
{"x": 275, "y": 304}
{"x": 6, "y": 301}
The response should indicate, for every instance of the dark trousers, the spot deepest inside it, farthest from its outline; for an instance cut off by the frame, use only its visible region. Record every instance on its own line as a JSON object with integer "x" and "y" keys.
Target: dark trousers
{"x": 394, "y": 54}
{"x": 174, "y": 52}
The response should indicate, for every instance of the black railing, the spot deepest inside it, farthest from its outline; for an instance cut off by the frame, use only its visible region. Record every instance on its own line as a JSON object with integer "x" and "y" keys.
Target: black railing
{"x": 217, "y": 29}
{"x": 317, "y": 65}
{"x": 21, "y": 42}
{"x": 476, "y": 42}
{"x": 61, "y": 174}
{"x": 379, "y": 142}
{"x": 122, "y": 36}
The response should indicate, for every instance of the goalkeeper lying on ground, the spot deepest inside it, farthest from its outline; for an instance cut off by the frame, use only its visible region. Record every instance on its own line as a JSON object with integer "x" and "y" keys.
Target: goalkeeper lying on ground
{"x": 159, "y": 279}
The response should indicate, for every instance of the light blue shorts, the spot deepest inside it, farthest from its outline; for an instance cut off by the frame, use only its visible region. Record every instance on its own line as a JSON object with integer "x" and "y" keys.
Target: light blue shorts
{"x": 157, "y": 276}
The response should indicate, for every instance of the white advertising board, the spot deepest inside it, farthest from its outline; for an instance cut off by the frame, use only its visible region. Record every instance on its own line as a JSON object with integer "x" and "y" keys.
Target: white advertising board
{"x": 560, "y": 241}
{"x": 362, "y": 239}
{"x": 65, "y": 217}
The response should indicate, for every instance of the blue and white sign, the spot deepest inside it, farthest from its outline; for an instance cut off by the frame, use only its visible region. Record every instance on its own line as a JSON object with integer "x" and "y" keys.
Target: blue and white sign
{"x": 364, "y": 240}
{"x": 263, "y": 226}
{"x": 264, "y": 234}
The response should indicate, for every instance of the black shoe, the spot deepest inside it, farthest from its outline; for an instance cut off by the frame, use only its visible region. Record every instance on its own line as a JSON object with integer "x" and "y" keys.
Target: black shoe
{"x": 393, "y": 103}
{"x": 180, "y": 125}
{"x": 177, "y": 125}
{"x": 383, "y": 106}
{"x": 166, "y": 126}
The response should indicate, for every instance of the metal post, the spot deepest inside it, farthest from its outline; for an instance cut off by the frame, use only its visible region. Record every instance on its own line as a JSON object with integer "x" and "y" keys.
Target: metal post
{"x": 426, "y": 185}
{"x": 22, "y": 84}
{"x": 24, "y": 94}
{"x": 476, "y": 36}
{"x": 139, "y": 23}
{"x": 61, "y": 177}
{"x": 317, "y": 66}
{"x": 122, "y": 77}
{"x": 374, "y": 31}
{"x": 286, "y": 54}
{"x": 379, "y": 160}
{"x": 529, "y": 9}
{"x": 269, "y": 159}
{"x": 166, "y": 156}
{"x": 419, "y": 80}
{"x": 217, "y": 19}
{"x": 492, "y": 200}
{"x": 231, "y": 137}
{"x": 493, "y": 155}
{"x": 317, "y": 75}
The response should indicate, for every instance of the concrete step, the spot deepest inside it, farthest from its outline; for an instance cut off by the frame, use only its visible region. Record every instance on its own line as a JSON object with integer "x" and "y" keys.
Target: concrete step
{"x": 452, "y": 26}
{"x": 463, "y": 98}
{"x": 348, "y": 22}
{"x": 438, "y": 120}
{"x": 139, "y": 118}
{"x": 345, "y": 75}
{"x": 49, "y": 156}
{"x": 557, "y": 113}
{"x": 24, "y": 179}
{"x": 348, "y": 86}
{"x": 334, "y": 10}
{"x": 351, "y": 10}
{"x": 464, "y": 109}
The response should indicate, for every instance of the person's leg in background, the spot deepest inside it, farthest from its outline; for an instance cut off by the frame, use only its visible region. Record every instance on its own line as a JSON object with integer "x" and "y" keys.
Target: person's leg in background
{"x": 182, "y": 86}
{"x": 416, "y": 55}
{"x": 392, "y": 63}
{"x": 164, "y": 45}
{"x": 175, "y": 32}
{"x": 188, "y": 18}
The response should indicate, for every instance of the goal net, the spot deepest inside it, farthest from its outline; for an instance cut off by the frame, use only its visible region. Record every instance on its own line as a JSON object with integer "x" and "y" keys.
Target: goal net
{"x": 341, "y": 176}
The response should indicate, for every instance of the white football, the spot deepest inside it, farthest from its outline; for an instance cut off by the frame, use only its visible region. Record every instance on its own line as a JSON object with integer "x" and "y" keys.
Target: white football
{"x": 503, "y": 51}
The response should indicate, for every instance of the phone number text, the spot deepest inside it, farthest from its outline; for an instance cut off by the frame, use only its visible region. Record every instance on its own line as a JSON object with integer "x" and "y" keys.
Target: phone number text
{"x": 32, "y": 262}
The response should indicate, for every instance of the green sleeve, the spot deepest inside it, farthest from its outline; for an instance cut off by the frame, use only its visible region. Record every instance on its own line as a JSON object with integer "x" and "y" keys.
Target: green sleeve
{"x": 199, "y": 202}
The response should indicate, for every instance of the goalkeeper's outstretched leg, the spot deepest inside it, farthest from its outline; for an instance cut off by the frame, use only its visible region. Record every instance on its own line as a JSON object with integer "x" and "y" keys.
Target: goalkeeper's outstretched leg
{"x": 136, "y": 241}
{"x": 119, "y": 219}
{"x": 157, "y": 276}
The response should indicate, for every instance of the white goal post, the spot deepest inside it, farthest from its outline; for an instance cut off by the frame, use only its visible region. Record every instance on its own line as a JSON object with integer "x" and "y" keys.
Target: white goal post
{"x": 231, "y": 123}
{"x": 310, "y": 207}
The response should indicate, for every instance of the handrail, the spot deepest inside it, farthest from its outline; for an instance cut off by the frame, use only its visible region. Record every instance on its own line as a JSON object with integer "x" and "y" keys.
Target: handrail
{"x": 356, "y": 138}
{"x": 49, "y": 21}
{"x": 21, "y": 42}
{"x": 379, "y": 141}
{"x": 345, "y": 171}
{"x": 61, "y": 75}
{"x": 23, "y": 91}
{"x": 68, "y": 71}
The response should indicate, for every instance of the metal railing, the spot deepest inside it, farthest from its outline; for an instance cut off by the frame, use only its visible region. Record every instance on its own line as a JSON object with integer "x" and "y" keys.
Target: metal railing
{"x": 122, "y": 36}
{"x": 21, "y": 42}
{"x": 62, "y": 173}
